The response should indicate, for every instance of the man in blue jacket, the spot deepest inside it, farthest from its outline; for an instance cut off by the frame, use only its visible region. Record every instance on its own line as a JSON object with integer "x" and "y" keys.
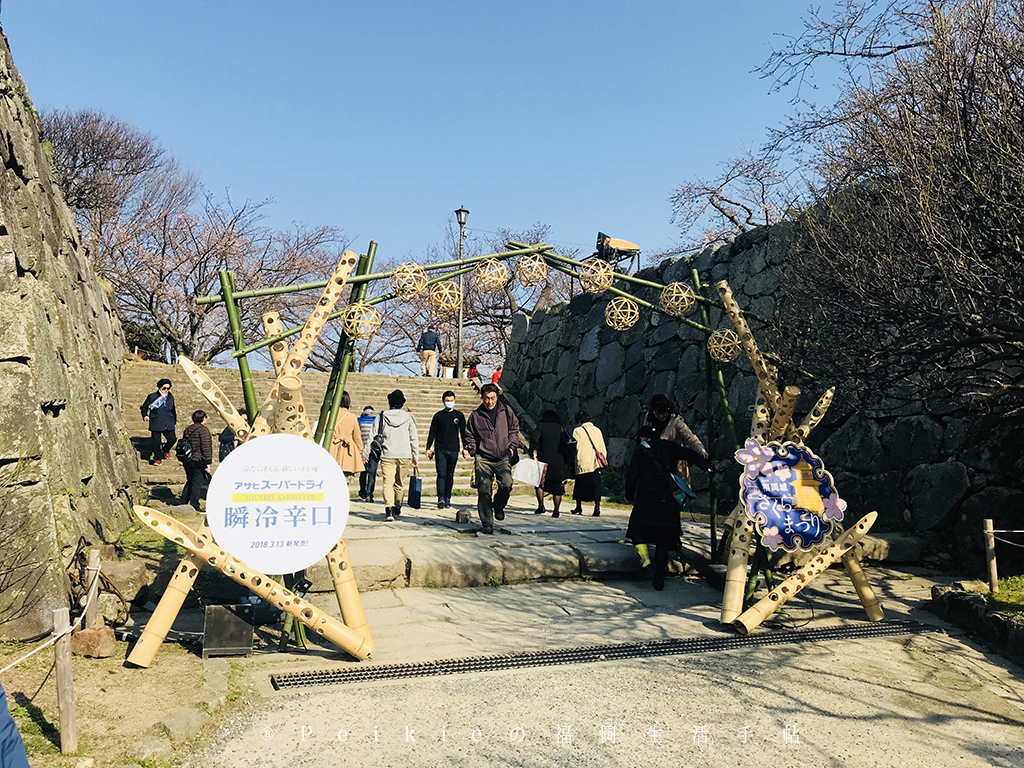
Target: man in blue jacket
{"x": 428, "y": 347}
{"x": 158, "y": 411}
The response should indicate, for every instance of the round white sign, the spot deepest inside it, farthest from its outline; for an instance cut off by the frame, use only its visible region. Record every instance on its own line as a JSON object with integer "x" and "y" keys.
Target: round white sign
{"x": 279, "y": 504}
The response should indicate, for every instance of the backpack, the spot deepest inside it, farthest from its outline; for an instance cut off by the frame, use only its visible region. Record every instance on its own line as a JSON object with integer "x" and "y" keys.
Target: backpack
{"x": 183, "y": 450}
{"x": 377, "y": 445}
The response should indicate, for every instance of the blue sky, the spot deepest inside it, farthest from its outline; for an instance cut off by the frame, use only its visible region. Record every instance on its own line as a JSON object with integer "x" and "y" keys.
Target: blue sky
{"x": 383, "y": 117}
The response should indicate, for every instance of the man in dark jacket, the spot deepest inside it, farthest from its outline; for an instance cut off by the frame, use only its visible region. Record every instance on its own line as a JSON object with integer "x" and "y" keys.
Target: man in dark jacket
{"x": 158, "y": 411}
{"x": 446, "y": 428}
{"x": 492, "y": 434}
{"x": 197, "y": 478}
{"x": 428, "y": 347}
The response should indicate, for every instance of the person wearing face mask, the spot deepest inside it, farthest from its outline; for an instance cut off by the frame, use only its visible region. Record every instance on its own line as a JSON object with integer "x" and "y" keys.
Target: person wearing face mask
{"x": 446, "y": 430}
{"x": 670, "y": 426}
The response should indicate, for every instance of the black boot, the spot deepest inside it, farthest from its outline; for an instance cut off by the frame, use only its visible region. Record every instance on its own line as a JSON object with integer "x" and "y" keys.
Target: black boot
{"x": 660, "y": 566}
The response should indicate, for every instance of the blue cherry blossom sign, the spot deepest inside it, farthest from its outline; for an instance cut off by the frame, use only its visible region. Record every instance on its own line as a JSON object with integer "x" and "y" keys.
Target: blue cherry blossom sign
{"x": 278, "y": 504}
{"x": 788, "y": 494}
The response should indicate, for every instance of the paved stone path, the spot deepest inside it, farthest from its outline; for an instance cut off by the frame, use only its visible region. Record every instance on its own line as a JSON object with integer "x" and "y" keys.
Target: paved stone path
{"x": 924, "y": 700}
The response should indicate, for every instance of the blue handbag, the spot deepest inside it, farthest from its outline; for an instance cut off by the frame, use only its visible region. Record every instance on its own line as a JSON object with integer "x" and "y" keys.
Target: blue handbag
{"x": 682, "y": 493}
{"x": 415, "y": 490}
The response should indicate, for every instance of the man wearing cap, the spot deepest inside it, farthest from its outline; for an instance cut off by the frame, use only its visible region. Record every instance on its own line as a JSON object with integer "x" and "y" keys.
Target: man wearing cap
{"x": 401, "y": 444}
{"x": 428, "y": 348}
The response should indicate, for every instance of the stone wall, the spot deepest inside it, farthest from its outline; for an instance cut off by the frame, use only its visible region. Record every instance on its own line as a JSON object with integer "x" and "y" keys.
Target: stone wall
{"x": 65, "y": 459}
{"x": 923, "y": 464}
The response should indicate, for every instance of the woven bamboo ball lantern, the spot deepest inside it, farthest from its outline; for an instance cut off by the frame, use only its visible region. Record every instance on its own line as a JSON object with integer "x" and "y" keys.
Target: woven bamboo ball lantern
{"x": 445, "y": 297}
{"x": 531, "y": 270}
{"x": 596, "y": 275}
{"x": 677, "y": 298}
{"x": 360, "y": 320}
{"x": 724, "y": 345}
{"x": 621, "y": 313}
{"x": 490, "y": 275}
{"x": 408, "y": 279}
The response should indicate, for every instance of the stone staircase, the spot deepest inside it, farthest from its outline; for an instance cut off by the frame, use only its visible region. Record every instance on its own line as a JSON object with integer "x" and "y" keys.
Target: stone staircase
{"x": 422, "y": 394}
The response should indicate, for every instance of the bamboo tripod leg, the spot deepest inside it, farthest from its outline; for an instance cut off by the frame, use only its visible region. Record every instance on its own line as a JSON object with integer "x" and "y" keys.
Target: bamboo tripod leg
{"x": 864, "y": 591}
{"x": 166, "y": 612}
{"x": 347, "y": 590}
{"x": 736, "y": 573}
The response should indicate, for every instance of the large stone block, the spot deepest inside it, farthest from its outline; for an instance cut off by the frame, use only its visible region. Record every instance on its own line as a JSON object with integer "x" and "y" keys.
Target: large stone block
{"x": 913, "y": 440}
{"x": 589, "y": 347}
{"x": 537, "y": 563}
{"x": 607, "y": 560}
{"x": 609, "y": 364}
{"x": 855, "y": 447}
{"x": 934, "y": 493}
{"x": 450, "y": 563}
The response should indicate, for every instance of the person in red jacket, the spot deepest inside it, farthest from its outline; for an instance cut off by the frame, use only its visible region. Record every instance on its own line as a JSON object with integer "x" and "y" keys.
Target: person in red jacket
{"x": 496, "y": 375}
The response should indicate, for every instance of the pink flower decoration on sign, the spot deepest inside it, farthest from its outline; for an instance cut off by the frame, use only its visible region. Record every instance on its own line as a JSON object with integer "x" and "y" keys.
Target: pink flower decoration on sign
{"x": 834, "y": 508}
{"x": 771, "y": 538}
{"x": 755, "y": 457}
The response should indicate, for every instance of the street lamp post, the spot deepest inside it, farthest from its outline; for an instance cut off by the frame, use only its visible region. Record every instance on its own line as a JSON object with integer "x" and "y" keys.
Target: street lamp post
{"x": 461, "y": 215}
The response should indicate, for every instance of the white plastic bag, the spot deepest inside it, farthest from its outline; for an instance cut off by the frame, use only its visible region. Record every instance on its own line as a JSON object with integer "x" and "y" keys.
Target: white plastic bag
{"x": 529, "y": 471}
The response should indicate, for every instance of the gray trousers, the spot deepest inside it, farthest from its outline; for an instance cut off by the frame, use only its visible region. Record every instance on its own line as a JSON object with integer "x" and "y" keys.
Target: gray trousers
{"x": 486, "y": 470}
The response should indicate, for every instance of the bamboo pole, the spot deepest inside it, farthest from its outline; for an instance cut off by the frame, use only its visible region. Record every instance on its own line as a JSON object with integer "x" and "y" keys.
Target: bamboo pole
{"x": 990, "y": 554}
{"x": 816, "y": 415}
{"x": 279, "y": 349}
{"x": 347, "y": 592}
{"x": 290, "y": 417}
{"x": 227, "y": 286}
{"x": 64, "y": 672}
{"x": 216, "y": 398}
{"x": 322, "y": 623}
{"x": 864, "y": 591}
{"x": 784, "y": 413}
{"x": 757, "y": 361}
{"x": 342, "y": 360}
{"x": 736, "y": 571}
{"x": 766, "y": 606}
{"x": 472, "y": 260}
{"x": 167, "y": 609}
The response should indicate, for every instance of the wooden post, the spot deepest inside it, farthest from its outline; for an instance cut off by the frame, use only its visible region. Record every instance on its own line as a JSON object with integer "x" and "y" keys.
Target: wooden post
{"x": 92, "y": 576}
{"x": 65, "y": 682}
{"x": 990, "y": 553}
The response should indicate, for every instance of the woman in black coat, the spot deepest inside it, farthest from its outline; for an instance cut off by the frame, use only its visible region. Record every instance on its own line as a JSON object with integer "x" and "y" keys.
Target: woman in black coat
{"x": 649, "y": 486}
{"x": 548, "y": 445}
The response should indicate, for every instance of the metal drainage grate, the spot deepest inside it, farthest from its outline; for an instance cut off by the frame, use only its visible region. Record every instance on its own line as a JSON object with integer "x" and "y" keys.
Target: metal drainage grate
{"x": 522, "y": 660}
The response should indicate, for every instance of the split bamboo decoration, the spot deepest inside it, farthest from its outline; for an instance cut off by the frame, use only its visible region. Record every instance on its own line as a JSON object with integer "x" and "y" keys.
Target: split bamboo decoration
{"x": 216, "y": 398}
{"x": 347, "y": 592}
{"x": 408, "y": 279}
{"x": 724, "y": 345}
{"x": 290, "y": 417}
{"x": 773, "y": 418}
{"x": 279, "y": 349}
{"x": 445, "y": 297}
{"x": 596, "y": 275}
{"x": 816, "y": 415}
{"x": 490, "y": 275}
{"x": 531, "y": 270}
{"x": 677, "y": 298}
{"x": 360, "y": 320}
{"x": 784, "y": 415}
{"x": 765, "y": 607}
{"x": 312, "y": 617}
{"x": 621, "y": 313}
{"x": 283, "y": 411}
